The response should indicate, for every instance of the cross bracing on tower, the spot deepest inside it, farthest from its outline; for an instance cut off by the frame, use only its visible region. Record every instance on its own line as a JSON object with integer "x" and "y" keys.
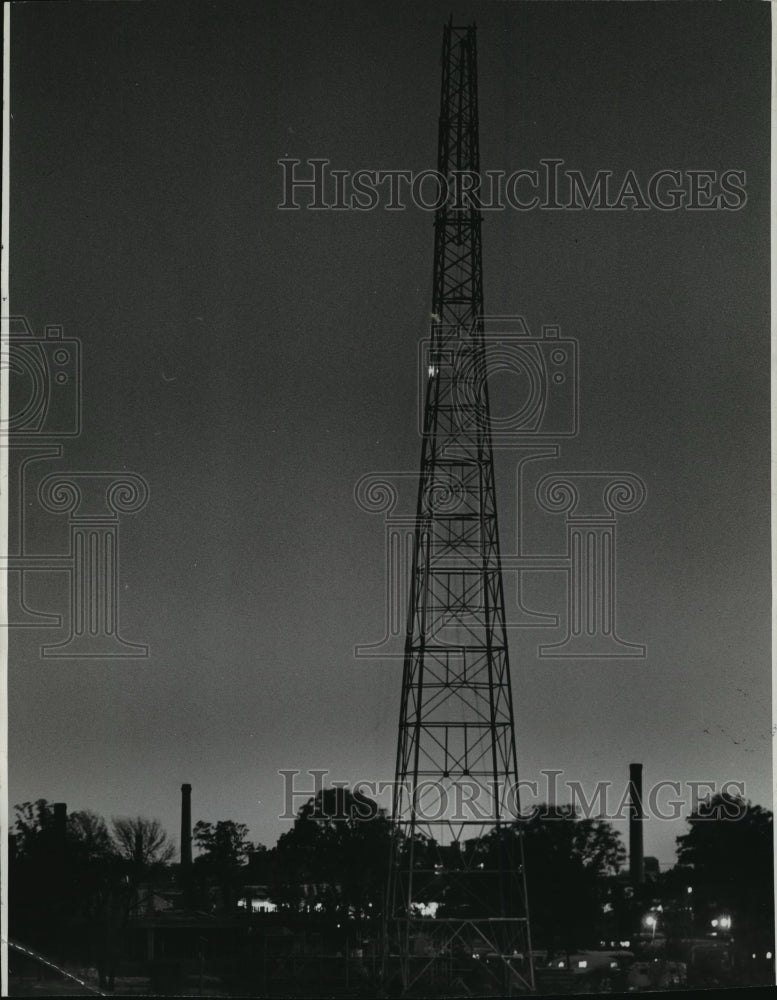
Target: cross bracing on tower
{"x": 457, "y": 891}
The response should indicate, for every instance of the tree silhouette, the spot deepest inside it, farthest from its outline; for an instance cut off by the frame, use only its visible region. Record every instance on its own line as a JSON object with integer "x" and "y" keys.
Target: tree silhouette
{"x": 142, "y": 842}
{"x": 89, "y": 831}
{"x": 567, "y": 861}
{"x": 69, "y": 894}
{"x": 40, "y": 891}
{"x": 225, "y": 841}
{"x": 335, "y": 856}
{"x": 728, "y": 853}
{"x": 34, "y": 830}
{"x": 224, "y": 847}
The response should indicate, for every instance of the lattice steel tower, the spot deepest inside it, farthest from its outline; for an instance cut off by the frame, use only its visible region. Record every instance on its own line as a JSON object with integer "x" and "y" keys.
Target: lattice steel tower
{"x": 456, "y": 903}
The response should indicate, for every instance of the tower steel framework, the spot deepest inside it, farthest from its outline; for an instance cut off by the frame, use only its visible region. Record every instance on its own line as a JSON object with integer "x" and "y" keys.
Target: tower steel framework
{"x": 456, "y": 905}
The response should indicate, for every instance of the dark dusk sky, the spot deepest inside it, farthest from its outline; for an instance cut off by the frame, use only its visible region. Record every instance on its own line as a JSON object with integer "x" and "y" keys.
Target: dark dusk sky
{"x": 253, "y": 364}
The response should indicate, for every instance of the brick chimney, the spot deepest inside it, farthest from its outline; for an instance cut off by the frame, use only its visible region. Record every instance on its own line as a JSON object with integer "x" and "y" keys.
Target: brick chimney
{"x": 636, "y": 817}
{"x": 186, "y": 825}
{"x": 60, "y": 823}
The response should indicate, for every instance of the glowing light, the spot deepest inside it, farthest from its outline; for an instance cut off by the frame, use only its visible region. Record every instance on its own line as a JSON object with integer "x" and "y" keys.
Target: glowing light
{"x": 582, "y": 964}
{"x": 432, "y": 371}
{"x": 768, "y": 954}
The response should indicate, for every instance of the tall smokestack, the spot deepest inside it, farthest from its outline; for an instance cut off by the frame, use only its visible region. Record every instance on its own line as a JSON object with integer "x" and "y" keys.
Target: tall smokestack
{"x": 636, "y": 816}
{"x": 60, "y": 818}
{"x": 186, "y": 824}
{"x": 60, "y": 827}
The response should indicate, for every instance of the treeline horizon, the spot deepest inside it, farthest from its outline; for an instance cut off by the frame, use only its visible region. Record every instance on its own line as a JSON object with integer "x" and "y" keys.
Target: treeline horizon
{"x": 80, "y": 894}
